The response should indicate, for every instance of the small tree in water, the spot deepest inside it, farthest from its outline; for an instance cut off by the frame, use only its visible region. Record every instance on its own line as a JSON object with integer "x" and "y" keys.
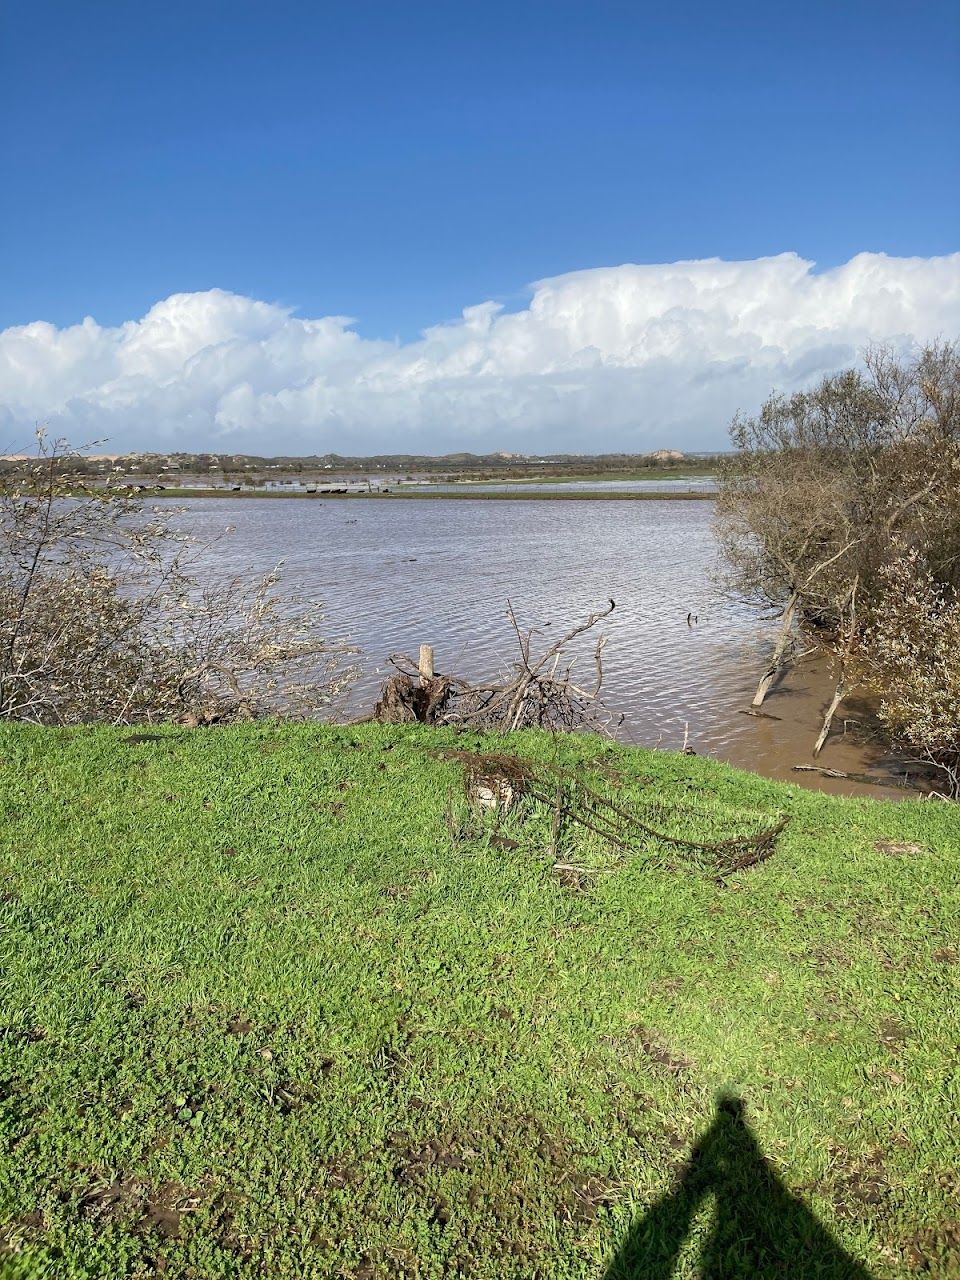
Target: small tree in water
{"x": 829, "y": 490}
{"x": 103, "y": 615}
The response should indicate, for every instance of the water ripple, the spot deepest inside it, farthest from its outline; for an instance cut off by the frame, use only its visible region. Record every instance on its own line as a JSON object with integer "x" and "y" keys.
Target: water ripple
{"x": 393, "y": 575}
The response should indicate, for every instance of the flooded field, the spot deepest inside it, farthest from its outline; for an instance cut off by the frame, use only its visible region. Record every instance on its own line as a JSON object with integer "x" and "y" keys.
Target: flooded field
{"x": 677, "y": 484}
{"x": 395, "y": 575}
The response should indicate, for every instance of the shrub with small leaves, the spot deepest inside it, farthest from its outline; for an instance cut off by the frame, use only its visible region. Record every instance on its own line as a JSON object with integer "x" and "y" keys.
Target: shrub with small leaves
{"x": 913, "y": 658}
{"x": 105, "y": 614}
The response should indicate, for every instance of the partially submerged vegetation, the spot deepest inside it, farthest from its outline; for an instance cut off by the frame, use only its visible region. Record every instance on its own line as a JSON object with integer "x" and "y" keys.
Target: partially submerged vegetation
{"x": 281, "y": 1001}
{"x": 103, "y": 616}
{"x": 540, "y": 690}
{"x": 841, "y": 511}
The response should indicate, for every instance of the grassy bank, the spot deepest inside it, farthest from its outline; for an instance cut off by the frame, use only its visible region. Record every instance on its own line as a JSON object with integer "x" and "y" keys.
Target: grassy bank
{"x": 691, "y": 471}
{"x": 278, "y": 1002}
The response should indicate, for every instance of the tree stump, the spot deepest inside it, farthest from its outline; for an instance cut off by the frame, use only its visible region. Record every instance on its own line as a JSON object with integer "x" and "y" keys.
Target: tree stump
{"x": 402, "y": 701}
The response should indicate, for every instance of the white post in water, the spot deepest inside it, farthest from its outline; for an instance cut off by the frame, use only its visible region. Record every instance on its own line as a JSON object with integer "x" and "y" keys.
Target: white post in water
{"x": 426, "y": 663}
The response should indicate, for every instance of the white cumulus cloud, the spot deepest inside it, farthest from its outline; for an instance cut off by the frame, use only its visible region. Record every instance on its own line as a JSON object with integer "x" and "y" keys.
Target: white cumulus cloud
{"x": 629, "y": 357}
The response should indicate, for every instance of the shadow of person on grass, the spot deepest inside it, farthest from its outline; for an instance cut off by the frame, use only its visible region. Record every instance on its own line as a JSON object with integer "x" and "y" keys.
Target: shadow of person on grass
{"x": 759, "y": 1229}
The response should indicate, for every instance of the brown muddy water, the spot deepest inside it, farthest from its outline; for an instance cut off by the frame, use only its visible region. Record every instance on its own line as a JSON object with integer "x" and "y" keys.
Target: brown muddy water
{"x": 395, "y": 575}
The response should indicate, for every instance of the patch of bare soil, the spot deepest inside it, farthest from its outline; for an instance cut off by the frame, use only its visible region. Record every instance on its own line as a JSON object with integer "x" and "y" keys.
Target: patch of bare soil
{"x": 489, "y": 1189}
{"x": 382, "y": 1264}
{"x": 859, "y": 1185}
{"x": 935, "y": 1252}
{"x": 338, "y": 1174}
{"x": 893, "y": 1033}
{"x": 160, "y": 1209}
{"x": 666, "y": 986}
{"x": 659, "y": 1052}
{"x": 20, "y": 1232}
{"x": 827, "y": 960}
{"x": 414, "y": 1159}
{"x": 576, "y": 879}
{"x": 23, "y": 1035}
{"x": 500, "y": 841}
{"x": 899, "y": 848}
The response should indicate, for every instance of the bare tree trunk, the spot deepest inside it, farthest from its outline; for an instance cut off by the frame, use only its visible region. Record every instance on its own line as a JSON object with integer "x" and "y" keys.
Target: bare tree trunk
{"x": 839, "y": 694}
{"x": 425, "y": 665}
{"x": 840, "y": 689}
{"x": 779, "y": 651}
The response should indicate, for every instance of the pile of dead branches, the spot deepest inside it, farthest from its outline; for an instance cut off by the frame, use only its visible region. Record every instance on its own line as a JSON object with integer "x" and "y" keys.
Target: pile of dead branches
{"x": 539, "y": 690}
{"x": 496, "y": 780}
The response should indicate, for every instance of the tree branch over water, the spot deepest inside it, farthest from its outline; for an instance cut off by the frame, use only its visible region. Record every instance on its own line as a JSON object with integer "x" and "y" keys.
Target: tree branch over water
{"x": 103, "y": 618}
{"x": 835, "y": 499}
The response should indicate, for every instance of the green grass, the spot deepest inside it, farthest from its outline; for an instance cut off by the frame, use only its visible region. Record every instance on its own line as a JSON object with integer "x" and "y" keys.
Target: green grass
{"x": 276, "y": 1002}
{"x": 690, "y": 471}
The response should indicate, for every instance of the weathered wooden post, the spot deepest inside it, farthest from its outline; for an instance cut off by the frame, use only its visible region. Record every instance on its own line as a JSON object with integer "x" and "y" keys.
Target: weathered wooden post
{"x": 426, "y": 664}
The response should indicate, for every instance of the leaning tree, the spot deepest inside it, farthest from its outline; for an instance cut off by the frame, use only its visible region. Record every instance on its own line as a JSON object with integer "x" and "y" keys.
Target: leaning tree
{"x": 829, "y": 489}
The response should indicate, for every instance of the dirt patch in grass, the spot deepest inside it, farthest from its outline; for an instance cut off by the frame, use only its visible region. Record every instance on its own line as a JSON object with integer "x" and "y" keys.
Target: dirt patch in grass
{"x": 19, "y": 1232}
{"x": 860, "y": 1187}
{"x": 576, "y": 879}
{"x": 23, "y": 1035}
{"x": 893, "y": 1033}
{"x": 487, "y": 1188}
{"x": 899, "y": 848}
{"x": 415, "y": 1159}
{"x": 287, "y": 1093}
{"x": 659, "y": 1052}
{"x": 339, "y": 1173}
{"x": 935, "y": 1252}
{"x": 828, "y": 960}
{"x": 383, "y": 1264}
{"x": 500, "y": 841}
{"x": 666, "y": 986}
{"x": 160, "y": 1209}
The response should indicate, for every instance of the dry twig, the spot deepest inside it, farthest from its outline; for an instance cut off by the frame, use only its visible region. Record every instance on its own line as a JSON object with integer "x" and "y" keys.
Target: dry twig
{"x": 538, "y": 691}
{"x": 570, "y": 798}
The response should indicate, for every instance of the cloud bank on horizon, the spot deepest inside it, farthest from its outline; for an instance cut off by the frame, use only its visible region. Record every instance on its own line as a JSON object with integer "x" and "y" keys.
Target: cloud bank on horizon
{"x": 612, "y": 358}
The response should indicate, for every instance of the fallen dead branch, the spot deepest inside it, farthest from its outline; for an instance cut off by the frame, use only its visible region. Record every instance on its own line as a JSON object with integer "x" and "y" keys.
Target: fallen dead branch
{"x": 538, "y": 691}
{"x": 852, "y": 777}
{"x": 570, "y": 799}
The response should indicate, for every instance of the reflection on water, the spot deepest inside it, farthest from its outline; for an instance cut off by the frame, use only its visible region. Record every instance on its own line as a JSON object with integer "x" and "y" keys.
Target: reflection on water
{"x": 394, "y": 575}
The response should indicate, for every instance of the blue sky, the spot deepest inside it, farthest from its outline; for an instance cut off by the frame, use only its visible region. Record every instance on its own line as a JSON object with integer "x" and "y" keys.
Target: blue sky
{"x": 214, "y": 182}
{"x": 395, "y": 162}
